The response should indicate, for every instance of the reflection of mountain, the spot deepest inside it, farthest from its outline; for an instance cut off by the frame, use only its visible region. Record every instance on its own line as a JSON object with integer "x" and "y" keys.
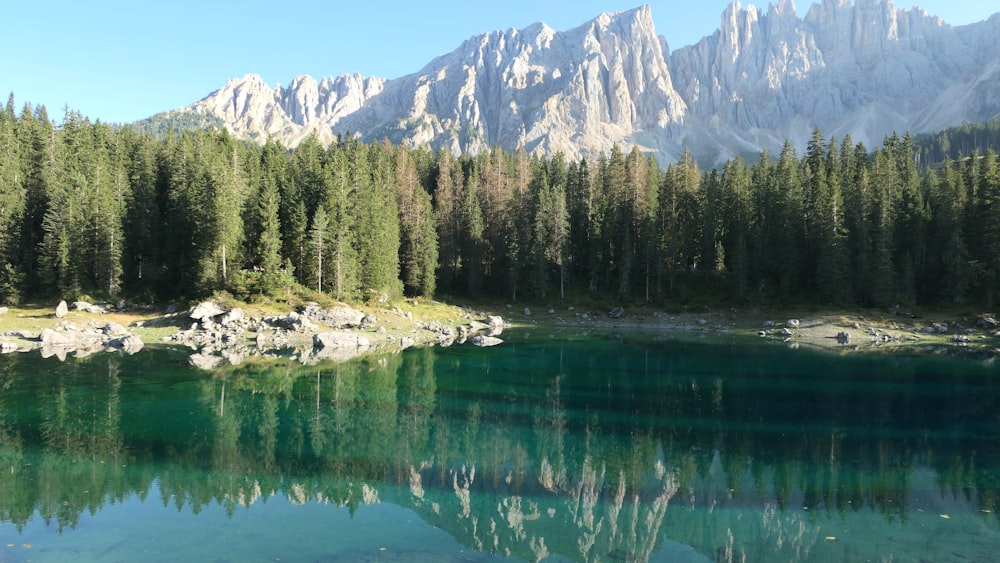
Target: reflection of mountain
{"x": 590, "y": 451}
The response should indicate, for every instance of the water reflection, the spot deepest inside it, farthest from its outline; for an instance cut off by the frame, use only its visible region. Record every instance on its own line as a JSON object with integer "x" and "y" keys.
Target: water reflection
{"x": 592, "y": 450}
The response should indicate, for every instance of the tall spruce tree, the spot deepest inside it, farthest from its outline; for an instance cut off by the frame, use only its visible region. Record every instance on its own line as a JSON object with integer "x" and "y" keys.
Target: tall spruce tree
{"x": 418, "y": 236}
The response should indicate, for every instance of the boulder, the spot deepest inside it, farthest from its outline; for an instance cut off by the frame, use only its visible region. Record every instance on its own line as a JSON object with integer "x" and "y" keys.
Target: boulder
{"x": 296, "y": 322}
{"x": 844, "y": 337}
{"x": 792, "y": 323}
{"x": 527, "y": 312}
{"x": 206, "y": 310}
{"x": 987, "y": 322}
{"x": 62, "y": 310}
{"x": 4, "y": 310}
{"x": 129, "y": 343}
{"x": 22, "y": 334}
{"x": 337, "y": 317}
{"x": 50, "y": 337}
{"x": 233, "y": 316}
{"x": 485, "y": 341}
{"x": 495, "y": 321}
{"x": 87, "y": 307}
{"x": 616, "y": 313}
{"x": 8, "y": 347}
{"x": 114, "y": 329}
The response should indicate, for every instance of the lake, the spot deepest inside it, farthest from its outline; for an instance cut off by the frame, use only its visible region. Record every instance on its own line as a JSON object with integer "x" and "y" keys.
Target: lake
{"x": 556, "y": 447}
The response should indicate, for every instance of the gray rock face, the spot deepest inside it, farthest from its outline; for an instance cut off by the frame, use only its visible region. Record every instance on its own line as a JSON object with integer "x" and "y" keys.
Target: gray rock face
{"x": 764, "y": 76}
{"x": 289, "y": 114}
{"x": 50, "y": 337}
{"x": 129, "y": 344}
{"x": 232, "y": 317}
{"x": 114, "y": 329}
{"x": 206, "y": 310}
{"x": 338, "y": 317}
{"x": 87, "y": 307}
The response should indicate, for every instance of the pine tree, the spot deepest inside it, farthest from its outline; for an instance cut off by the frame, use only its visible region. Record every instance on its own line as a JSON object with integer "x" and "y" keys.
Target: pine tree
{"x": 378, "y": 223}
{"x": 267, "y": 252}
{"x": 678, "y": 216}
{"x": 11, "y": 205}
{"x": 987, "y": 208}
{"x": 341, "y": 201}
{"x": 317, "y": 245}
{"x": 739, "y": 226}
{"x": 418, "y": 237}
{"x": 448, "y": 195}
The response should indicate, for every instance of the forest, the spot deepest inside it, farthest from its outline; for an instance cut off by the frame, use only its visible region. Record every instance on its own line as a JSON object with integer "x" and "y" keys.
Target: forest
{"x": 91, "y": 209}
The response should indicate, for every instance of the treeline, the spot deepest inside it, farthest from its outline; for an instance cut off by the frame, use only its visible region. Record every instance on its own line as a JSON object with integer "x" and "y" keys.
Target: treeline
{"x": 86, "y": 208}
{"x": 955, "y": 142}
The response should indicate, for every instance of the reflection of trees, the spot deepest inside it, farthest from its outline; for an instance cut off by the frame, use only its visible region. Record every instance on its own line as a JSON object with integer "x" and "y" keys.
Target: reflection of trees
{"x": 546, "y": 449}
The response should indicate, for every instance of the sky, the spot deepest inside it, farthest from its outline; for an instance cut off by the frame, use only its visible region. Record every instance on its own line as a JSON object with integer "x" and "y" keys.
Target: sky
{"x": 122, "y": 60}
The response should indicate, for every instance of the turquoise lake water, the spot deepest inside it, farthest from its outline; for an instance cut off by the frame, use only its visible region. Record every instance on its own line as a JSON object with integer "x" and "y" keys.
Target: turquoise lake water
{"x": 549, "y": 447}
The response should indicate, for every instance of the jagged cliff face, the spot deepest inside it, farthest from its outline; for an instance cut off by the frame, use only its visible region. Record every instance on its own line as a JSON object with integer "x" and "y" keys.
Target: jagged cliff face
{"x": 866, "y": 69}
{"x": 585, "y": 89}
{"x": 251, "y": 108}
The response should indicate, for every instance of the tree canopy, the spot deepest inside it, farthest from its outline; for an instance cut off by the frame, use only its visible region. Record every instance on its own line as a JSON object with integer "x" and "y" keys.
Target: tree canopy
{"x": 87, "y": 208}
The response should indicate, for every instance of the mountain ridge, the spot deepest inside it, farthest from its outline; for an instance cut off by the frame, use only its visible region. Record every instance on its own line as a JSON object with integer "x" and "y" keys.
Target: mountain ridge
{"x": 863, "y": 68}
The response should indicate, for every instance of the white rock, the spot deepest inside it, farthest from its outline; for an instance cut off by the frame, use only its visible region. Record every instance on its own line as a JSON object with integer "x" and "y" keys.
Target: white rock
{"x": 206, "y": 310}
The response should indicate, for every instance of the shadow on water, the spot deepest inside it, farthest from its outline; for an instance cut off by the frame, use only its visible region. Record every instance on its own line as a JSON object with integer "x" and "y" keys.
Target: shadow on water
{"x": 613, "y": 449}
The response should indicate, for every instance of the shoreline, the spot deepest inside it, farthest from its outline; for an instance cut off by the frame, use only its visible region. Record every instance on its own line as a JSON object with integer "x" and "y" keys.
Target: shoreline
{"x": 237, "y": 332}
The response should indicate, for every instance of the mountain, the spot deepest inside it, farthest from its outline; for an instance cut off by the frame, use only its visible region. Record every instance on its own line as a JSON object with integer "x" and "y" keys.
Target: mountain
{"x": 764, "y": 76}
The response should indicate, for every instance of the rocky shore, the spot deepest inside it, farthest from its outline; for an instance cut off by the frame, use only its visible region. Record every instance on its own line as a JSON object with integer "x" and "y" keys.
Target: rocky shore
{"x": 219, "y": 335}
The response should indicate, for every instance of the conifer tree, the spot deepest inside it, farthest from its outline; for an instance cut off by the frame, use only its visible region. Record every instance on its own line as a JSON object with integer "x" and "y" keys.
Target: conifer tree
{"x": 448, "y": 196}
{"x": 11, "y": 205}
{"x": 378, "y": 222}
{"x": 267, "y": 251}
{"x": 317, "y": 245}
{"x": 418, "y": 236}
{"x": 739, "y": 226}
{"x": 341, "y": 200}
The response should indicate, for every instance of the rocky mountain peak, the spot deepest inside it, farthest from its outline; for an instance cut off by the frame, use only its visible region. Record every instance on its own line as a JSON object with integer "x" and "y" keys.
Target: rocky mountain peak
{"x": 863, "y": 67}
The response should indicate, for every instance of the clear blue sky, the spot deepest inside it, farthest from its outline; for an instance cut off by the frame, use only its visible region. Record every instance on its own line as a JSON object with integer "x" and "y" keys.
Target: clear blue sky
{"x": 123, "y": 60}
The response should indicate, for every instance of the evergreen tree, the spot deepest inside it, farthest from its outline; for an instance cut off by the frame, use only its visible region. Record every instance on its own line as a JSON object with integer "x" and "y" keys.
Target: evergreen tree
{"x": 378, "y": 222}
{"x": 11, "y": 205}
{"x": 341, "y": 200}
{"x": 142, "y": 258}
{"x": 418, "y": 236}
{"x": 267, "y": 252}
{"x": 987, "y": 215}
{"x": 448, "y": 196}
{"x": 317, "y": 245}
{"x": 951, "y": 274}
{"x": 473, "y": 266}
{"x": 739, "y": 225}
{"x": 678, "y": 216}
